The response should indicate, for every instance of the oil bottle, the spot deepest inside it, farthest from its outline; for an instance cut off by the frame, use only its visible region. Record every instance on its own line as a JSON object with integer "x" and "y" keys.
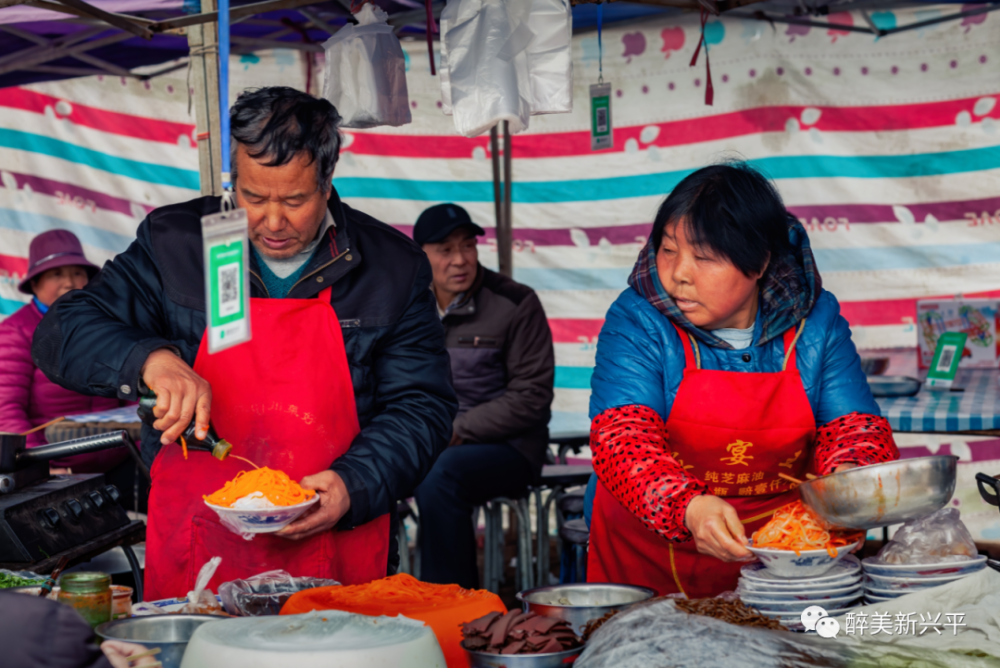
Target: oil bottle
{"x": 218, "y": 447}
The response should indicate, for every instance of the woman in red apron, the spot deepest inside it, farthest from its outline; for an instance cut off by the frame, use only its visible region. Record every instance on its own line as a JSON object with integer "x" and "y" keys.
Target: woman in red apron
{"x": 723, "y": 365}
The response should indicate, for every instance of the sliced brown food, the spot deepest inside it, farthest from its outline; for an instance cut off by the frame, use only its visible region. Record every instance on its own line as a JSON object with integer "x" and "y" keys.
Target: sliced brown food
{"x": 479, "y": 625}
{"x": 514, "y": 647}
{"x": 552, "y": 645}
{"x": 518, "y": 632}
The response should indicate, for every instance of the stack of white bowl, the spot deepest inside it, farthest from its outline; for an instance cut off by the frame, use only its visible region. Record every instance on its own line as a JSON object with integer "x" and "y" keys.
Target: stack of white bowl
{"x": 836, "y": 590}
{"x": 884, "y": 582}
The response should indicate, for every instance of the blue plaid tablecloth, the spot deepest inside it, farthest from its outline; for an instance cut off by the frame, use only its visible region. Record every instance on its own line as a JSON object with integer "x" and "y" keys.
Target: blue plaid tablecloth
{"x": 975, "y": 409}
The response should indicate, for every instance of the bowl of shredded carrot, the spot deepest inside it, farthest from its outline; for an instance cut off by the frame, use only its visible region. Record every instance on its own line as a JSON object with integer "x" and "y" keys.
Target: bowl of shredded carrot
{"x": 796, "y": 543}
{"x": 260, "y": 501}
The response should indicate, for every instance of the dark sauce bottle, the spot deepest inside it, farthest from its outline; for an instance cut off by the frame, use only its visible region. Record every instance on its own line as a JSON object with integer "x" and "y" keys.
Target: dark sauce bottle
{"x": 218, "y": 447}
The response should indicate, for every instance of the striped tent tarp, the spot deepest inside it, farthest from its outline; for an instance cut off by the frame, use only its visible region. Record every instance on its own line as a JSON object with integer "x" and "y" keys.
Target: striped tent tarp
{"x": 888, "y": 150}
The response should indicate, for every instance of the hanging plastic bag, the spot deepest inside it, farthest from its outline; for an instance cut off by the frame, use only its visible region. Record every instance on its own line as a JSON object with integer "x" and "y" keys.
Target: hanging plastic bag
{"x": 486, "y": 44}
{"x": 550, "y": 57}
{"x": 365, "y": 72}
{"x": 937, "y": 538}
{"x": 505, "y": 61}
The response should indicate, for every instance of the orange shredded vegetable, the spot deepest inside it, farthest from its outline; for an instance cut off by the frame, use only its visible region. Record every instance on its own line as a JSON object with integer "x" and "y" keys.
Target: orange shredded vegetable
{"x": 184, "y": 447}
{"x": 443, "y": 607}
{"x": 796, "y": 527}
{"x": 244, "y": 459}
{"x": 275, "y": 485}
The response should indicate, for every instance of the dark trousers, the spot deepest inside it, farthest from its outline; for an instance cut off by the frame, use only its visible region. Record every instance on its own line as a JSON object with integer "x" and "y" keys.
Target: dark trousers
{"x": 464, "y": 476}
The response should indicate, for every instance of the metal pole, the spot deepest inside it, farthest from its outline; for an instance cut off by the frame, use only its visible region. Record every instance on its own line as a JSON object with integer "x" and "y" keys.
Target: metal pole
{"x": 497, "y": 192}
{"x": 504, "y": 236}
{"x": 204, "y": 45}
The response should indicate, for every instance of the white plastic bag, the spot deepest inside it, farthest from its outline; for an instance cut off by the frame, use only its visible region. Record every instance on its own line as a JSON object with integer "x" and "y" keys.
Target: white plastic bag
{"x": 505, "y": 60}
{"x": 550, "y": 57}
{"x": 201, "y": 600}
{"x": 937, "y": 538}
{"x": 365, "y": 73}
{"x": 486, "y": 43}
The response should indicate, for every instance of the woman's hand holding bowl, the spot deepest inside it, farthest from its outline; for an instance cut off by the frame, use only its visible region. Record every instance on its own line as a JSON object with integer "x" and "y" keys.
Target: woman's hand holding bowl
{"x": 717, "y": 529}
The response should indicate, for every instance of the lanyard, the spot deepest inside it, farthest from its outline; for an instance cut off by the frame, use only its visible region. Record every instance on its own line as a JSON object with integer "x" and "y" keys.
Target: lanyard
{"x": 600, "y": 46}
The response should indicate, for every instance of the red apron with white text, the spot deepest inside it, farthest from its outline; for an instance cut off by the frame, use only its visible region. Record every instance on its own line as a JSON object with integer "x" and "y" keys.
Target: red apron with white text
{"x": 735, "y": 431}
{"x": 285, "y": 400}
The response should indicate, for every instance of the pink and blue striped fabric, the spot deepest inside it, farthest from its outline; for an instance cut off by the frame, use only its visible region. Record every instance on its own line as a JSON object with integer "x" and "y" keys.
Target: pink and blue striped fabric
{"x": 888, "y": 150}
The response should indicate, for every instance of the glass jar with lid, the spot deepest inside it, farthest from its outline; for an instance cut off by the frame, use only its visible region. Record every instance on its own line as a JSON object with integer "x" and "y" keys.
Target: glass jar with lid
{"x": 89, "y": 593}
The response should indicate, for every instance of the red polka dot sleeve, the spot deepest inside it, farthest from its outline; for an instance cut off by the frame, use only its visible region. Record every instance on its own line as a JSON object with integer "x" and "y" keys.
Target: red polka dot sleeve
{"x": 855, "y": 438}
{"x": 632, "y": 460}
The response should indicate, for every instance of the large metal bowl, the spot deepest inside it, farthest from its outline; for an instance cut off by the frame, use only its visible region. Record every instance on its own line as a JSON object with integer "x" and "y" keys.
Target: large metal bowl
{"x": 170, "y": 633}
{"x": 552, "y": 660}
{"x": 587, "y": 601}
{"x": 882, "y": 494}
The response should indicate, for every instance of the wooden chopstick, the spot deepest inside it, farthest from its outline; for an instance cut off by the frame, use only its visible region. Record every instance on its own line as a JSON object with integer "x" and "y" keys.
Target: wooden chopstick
{"x": 790, "y": 478}
{"x": 43, "y": 426}
{"x": 143, "y": 655}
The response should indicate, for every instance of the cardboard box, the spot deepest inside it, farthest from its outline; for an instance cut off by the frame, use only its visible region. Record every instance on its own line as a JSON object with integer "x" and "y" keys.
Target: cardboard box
{"x": 978, "y": 318}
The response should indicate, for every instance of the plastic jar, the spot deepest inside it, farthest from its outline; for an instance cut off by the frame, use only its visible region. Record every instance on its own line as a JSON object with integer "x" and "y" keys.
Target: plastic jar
{"x": 89, "y": 593}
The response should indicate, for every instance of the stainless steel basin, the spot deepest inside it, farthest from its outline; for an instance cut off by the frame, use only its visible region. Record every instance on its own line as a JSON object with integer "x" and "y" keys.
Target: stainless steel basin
{"x": 170, "y": 633}
{"x": 882, "y": 494}
{"x": 582, "y": 602}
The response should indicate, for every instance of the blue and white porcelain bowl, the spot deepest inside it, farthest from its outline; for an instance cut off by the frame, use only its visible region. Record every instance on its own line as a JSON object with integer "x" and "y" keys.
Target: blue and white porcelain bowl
{"x": 948, "y": 568}
{"x": 816, "y": 594}
{"x": 906, "y": 585}
{"x": 805, "y": 564}
{"x": 264, "y": 520}
{"x": 771, "y": 607}
{"x": 844, "y": 572}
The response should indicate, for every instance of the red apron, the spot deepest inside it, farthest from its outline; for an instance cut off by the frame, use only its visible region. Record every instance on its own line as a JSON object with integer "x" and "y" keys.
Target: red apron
{"x": 735, "y": 431}
{"x": 284, "y": 400}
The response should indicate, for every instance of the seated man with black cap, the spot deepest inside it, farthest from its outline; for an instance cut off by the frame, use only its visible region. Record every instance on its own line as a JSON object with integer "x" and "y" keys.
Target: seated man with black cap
{"x": 502, "y": 367}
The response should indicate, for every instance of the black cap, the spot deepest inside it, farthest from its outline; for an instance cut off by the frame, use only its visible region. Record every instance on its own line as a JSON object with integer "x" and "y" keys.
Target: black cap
{"x": 437, "y": 222}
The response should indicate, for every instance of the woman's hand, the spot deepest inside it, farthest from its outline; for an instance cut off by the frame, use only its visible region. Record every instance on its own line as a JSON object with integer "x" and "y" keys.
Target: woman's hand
{"x": 845, "y": 467}
{"x": 181, "y": 395}
{"x": 717, "y": 529}
{"x": 118, "y": 654}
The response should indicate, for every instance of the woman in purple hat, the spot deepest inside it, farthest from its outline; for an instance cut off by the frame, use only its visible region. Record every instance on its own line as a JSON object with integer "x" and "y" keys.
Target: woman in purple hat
{"x": 56, "y": 265}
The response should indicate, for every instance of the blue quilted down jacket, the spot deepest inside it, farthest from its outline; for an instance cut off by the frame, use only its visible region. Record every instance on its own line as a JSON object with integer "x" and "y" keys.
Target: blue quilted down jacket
{"x": 640, "y": 357}
{"x": 640, "y": 360}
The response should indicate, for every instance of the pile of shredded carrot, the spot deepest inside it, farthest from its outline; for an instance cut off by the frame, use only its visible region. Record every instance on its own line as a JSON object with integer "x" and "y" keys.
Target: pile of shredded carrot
{"x": 275, "y": 485}
{"x": 393, "y": 595}
{"x": 796, "y": 527}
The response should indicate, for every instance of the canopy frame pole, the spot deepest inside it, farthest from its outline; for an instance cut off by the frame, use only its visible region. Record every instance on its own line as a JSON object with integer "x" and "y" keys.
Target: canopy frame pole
{"x": 38, "y": 55}
{"x": 504, "y": 231}
{"x": 116, "y": 20}
{"x": 497, "y": 183}
{"x": 204, "y": 64}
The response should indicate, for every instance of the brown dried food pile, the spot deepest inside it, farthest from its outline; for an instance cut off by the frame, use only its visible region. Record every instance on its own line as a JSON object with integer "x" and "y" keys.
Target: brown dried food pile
{"x": 591, "y": 627}
{"x": 518, "y": 633}
{"x": 734, "y": 612}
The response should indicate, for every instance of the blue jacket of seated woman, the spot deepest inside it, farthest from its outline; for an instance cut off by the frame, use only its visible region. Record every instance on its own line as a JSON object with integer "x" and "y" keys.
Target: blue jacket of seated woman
{"x": 640, "y": 358}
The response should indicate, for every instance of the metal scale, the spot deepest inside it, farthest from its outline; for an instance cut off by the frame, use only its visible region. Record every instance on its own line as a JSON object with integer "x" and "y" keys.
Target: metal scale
{"x": 44, "y": 518}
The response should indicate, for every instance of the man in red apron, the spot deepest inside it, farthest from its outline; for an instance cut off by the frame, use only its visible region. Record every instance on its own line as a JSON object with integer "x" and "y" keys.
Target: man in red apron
{"x": 344, "y": 385}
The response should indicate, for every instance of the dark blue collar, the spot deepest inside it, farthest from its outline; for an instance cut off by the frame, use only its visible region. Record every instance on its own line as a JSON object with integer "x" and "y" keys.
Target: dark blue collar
{"x": 40, "y": 306}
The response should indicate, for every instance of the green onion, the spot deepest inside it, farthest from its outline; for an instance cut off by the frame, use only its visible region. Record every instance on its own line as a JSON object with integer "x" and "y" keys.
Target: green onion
{"x": 7, "y": 581}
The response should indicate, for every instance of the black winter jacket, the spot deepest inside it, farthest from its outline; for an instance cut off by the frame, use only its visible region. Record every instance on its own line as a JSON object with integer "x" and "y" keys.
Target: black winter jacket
{"x": 95, "y": 341}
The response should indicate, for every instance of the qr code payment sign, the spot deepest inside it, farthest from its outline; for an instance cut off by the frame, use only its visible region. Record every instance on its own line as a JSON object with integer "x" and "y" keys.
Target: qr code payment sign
{"x": 229, "y": 289}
